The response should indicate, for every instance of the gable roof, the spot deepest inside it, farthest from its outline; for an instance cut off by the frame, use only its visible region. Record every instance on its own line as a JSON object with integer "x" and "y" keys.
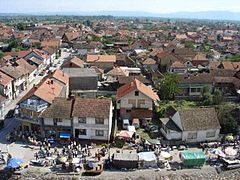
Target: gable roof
{"x": 99, "y": 108}
{"x": 25, "y": 65}
{"x": 137, "y": 85}
{"x": 149, "y": 61}
{"x": 61, "y": 76}
{"x": 12, "y": 71}
{"x": 117, "y": 72}
{"x": 46, "y": 90}
{"x": 101, "y": 58}
{"x": 199, "y": 119}
{"x": 60, "y": 108}
{"x": 75, "y": 60}
{"x": 5, "y": 79}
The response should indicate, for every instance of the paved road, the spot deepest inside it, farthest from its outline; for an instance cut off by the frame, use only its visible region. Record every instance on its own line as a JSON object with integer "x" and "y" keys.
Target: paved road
{"x": 16, "y": 149}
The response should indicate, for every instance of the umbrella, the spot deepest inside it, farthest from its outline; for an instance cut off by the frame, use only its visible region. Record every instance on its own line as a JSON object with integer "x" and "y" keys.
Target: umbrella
{"x": 230, "y": 151}
{"x": 126, "y": 134}
{"x": 62, "y": 159}
{"x": 165, "y": 155}
{"x": 229, "y": 138}
{"x": 75, "y": 160}
{"x": 218, "y": 152}
{"x": 14, "y": 163}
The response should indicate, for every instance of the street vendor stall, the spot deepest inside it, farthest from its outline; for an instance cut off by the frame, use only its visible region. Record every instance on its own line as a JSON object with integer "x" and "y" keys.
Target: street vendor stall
{"x": 192, "y": 158}
{"x": 125, "y": 134}
{"x": 125, "y": 160}
{"x": 148, "y": 159}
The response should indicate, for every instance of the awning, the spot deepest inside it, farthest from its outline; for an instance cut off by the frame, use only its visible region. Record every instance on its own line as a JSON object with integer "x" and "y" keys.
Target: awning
{"x": 126, "y": 134}
{"x": 65, "y": 135}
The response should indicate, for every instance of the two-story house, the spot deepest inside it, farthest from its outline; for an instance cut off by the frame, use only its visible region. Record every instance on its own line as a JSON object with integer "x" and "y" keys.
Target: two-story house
{"x": 6, "y": 88}
{"x": 92, "y": 118}
{"x": 37, "y": 100}
{"x": 20, "y": 78}
{"x": 191, "y": 125}
{"x": 136, "y": 100}
{"x": 57, "y": 119}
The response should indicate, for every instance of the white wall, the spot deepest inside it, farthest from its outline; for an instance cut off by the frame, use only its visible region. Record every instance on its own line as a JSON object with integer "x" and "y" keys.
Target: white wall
{"x": 172, "y": 135}
{"x": 50, "y": 122}
{"x": 201, "y": 135}
{"x": 131, "y": 95}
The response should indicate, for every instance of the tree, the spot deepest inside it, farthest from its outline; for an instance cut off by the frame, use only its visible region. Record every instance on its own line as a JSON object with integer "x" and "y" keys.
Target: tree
{"x": 234, "y": 58}
{"x": 217, "y": 97}
{"x": 211, "y": 99}
{"x": 189, "y": 44}
{"x": 12, "y": 44}
{"x": 1, "y": 54}
{"x": 167, "y": 87}
{"x": 21, "y": 26}
{"x": 226, "y": 119}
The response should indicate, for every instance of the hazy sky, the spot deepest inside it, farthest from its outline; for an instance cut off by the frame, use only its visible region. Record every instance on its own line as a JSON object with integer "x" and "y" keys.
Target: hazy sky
{"x": 154, "y": 6}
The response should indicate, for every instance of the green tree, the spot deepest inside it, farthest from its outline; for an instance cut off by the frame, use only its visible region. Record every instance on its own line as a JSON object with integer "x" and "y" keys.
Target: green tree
{"x": 12, "y": 44}
{"x": 21, "y": 26}
{"x": 167, "y": 87}
{"x": 218, "y": 97}
{"x": 207, "y": 98}
{"x": 234, "y": 58}
{"x": 1, "y": 54}
{"x": 226, "y": 119}
{"x": 189, "y": 44}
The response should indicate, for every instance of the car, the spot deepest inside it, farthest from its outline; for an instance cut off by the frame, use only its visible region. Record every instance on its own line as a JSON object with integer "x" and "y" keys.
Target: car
{"x": 125, "y": 123}
{"x": 150, "y": 128}
{"x": 143, "y": 123}
{"x": 10, "y": 114}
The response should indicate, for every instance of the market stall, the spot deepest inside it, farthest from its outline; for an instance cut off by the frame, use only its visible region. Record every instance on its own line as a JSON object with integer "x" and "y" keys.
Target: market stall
{"x": 192, "y": 158}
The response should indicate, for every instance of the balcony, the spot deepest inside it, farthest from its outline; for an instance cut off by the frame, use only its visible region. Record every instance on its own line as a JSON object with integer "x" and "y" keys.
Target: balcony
{"x": 34, "y": 107}
{"x": 27, "y": 119}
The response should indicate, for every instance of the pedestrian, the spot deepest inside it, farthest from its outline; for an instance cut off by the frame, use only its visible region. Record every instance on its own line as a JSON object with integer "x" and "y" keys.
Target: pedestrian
{"x": 49, "y": 146}
{"x": 7, "y": 148}
{"x": 37, "y": 157}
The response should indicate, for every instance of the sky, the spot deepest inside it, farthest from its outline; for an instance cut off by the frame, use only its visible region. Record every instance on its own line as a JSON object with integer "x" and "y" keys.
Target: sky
{"x": 152, "y": 6}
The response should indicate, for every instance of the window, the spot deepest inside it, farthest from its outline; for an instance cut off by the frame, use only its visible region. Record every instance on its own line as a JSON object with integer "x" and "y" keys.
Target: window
{"x": 136, "y": 93}
{"x": 82, "y": 132}
{"x": 132, "y": 102}
{"x": 99, "y": 133}
{"x": 128, "y": 110}
{"x": 99, "y": 121}
{"x": 192, "y": 136}
{"x": 57, "y": 119}
{"x": 141, "y": 102}
{"x": 82, "y": 120}
{"x": 210, "y": 134}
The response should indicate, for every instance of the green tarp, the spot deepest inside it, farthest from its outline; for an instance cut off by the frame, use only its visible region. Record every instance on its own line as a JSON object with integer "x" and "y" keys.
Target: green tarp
{"x": 193, "y": 158}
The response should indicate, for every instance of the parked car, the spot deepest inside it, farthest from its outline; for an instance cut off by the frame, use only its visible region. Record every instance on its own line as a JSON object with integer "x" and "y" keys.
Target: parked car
{"x": 136, "y": 123}
{"x": 150, "y": 128}
{"x": 143, "y": 123}
{"x": 125, "y": 123}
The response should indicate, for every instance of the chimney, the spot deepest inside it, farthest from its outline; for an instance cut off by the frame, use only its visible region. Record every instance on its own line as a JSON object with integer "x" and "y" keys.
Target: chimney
{"x": 51, "y": 81}
{"x": 132, "y": 84}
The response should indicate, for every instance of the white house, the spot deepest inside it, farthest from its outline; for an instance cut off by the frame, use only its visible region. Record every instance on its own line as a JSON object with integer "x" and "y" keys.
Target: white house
{"x": 136, "y": 100}
{"x": 193, "y": 125}
{"x": 92, "y": 119}
{"x": 57, "y": 118}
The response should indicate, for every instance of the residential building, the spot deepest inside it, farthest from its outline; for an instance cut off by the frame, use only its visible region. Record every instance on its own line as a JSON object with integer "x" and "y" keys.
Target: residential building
{"x": 105, "y": 62}
{"x": 136, "y": 100}
{"x": 57, "y": 119}
{"x": 92, "y": 119}
{"x": 191, "y": 126}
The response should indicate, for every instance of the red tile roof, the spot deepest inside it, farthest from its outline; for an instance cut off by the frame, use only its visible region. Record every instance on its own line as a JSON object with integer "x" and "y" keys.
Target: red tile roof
{"x": 5, "y": 79}
{"x": 101, "y": 58}
{"x": 137, "y": 85}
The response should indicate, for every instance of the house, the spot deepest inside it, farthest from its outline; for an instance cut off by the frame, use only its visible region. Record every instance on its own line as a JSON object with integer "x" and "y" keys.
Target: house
{"x": 105, "y": 62}
{"x": 191, "y": 85}
{"x": 92, "y": 119}
{"x": 136, "y": 100}
{"x": 178, "y": 67}
{"x": 37, "y": 100}
{"x": 57, "y": 118}
{"x": 191, "y": 126}
{"x": 40, "y": 55}
{"x": 83, "y": 82}
{"x": 28, "y": 68}
{"x": 150, "y": 63}
{"x": 115, "y": 73}
{"x": 73, "y": 62}
{"x": 19, "y": 77}
{"x": 6, "y": 86}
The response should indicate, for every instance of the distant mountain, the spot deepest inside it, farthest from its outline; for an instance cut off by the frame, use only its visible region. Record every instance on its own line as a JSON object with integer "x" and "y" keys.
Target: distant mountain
{"x": 211, "y": 15}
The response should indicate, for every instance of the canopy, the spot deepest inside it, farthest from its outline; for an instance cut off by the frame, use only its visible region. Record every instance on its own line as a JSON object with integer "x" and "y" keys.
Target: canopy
{"x": 14, "y": 163}
{"x": 65, "y": 135}
{"x": 62, "y": 159}
{"x": 218, "y": 152}
{"x": 126, "y": 134}
{"x": 147, "y": 156}
{"x": 230, "y": 151}
{"x": 229, "y": 138}
{"x": 193, "y": 158}
{"x": 165, "y": 155}
{"x": 131, "y": 128}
